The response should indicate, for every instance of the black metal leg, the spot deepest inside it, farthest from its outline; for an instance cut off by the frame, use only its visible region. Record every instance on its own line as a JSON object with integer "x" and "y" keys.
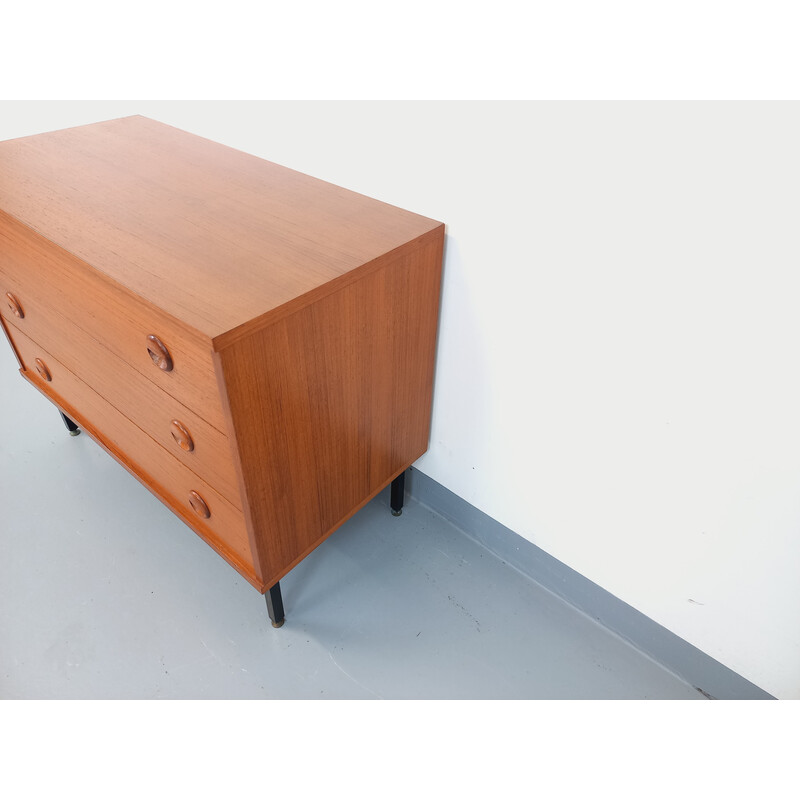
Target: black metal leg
{"x": 73, "y": 429}
{"x": 275, "y": 605}
{"x": 398, "y": 492}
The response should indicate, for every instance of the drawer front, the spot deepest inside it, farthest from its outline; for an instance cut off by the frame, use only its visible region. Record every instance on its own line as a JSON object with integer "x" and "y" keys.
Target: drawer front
{"x": 39, "y": 279}
{"x": 209, "y": 514}
{"x": 193, "y": 441}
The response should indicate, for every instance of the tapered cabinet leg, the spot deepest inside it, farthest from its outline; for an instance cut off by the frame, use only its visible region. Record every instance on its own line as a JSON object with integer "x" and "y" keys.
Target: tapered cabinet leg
{"x": 397, "y": 494}
{"x": 73, "y": 429}
{"x": 275, "y": 605}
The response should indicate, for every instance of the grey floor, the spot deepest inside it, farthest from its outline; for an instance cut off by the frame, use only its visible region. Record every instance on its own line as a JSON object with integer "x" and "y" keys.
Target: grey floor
{"x": 105, "y": 594}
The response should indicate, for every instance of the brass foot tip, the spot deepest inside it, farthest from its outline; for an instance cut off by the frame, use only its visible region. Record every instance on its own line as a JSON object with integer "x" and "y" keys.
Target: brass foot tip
{"x": 74, "y": 433}
{"x": 278, "y": 624}
{"x": 397, "y": 513}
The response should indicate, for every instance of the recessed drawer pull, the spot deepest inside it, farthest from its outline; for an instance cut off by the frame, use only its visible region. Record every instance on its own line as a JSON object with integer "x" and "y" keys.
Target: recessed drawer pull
{"x": 41, "y": 368}
{"x": 181, "y": 436}
{"x": 199, "y": 505}
{"x": 14, "y": 306}
{"x": 158, "y": 353}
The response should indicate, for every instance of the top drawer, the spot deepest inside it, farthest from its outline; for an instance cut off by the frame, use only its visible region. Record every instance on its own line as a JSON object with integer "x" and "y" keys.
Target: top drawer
{"x": 43, "y": 278}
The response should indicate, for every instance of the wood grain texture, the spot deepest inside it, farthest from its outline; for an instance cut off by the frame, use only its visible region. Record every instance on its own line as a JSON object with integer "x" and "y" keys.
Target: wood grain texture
{"x": 213, "y": 236}
{"x": 156, "y": 468}
{"x": 343, "y": 406}
{"x": 142, "y": 401}
{"x": 47, "y": 281}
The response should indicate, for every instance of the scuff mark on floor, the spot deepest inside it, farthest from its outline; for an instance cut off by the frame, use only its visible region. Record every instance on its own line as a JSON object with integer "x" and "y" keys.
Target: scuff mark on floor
{"x": 464, "y": 611}
{"x": 357, "y": 682}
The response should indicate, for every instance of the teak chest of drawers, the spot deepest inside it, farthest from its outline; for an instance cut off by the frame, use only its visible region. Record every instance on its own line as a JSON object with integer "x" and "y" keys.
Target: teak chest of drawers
{"x": 256, "y": 346}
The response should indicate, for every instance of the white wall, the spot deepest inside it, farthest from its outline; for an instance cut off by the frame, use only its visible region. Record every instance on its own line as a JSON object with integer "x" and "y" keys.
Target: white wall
{"x": 618, "y": 372}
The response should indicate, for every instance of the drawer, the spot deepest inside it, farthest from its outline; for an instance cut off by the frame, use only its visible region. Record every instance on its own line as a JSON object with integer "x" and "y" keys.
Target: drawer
{"x": 185, "y": 434}
{"x": 178, "y": 487}
{"x": 42, "y": 279}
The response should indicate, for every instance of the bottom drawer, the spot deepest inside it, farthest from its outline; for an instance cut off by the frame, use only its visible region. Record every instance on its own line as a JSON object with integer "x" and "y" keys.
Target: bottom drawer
{"x": 202, "y": 508}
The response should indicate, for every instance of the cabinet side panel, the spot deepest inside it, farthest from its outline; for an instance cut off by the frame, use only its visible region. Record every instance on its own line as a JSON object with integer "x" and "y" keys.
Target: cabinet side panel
{"x": 329, "y": 404}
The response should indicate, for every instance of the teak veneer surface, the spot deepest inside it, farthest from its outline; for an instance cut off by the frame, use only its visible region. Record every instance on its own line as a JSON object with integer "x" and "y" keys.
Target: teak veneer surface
{"x": 213, "y": 236}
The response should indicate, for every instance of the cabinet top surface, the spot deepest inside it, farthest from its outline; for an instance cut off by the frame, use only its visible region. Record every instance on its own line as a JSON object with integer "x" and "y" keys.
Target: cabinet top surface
{"x": 211, "y": 235}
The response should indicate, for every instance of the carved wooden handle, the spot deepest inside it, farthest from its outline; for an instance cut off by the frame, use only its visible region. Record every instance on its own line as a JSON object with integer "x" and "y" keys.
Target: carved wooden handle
{"x": 158, "y": 353}
{"x": 14, "y": 306}
{"x": 41, "y": 368}
{"x": 181, "y": 436}
{"x": 199, "y": 505}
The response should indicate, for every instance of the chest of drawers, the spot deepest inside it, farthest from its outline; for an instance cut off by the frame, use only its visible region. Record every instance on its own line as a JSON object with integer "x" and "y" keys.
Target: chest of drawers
{"x": 256, "y": 346}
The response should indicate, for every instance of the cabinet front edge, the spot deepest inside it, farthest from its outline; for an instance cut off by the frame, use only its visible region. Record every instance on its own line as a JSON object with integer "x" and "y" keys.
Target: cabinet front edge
{"x": 225, "y": 340}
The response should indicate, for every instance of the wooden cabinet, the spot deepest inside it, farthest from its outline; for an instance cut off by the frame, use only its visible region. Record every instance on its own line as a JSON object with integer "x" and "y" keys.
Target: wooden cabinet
{"x": 255, "y": 345}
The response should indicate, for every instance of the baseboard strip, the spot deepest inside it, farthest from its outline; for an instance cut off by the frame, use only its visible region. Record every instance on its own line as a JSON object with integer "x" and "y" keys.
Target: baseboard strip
{"x": 705, "y": 673}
